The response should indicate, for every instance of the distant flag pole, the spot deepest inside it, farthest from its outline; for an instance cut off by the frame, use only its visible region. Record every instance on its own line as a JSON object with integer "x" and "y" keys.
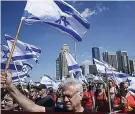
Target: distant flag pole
{"x": 108, "y": 91}
{"x": 18, "y": 74}
{"x": 75, "y": 51}
{"x": 13, "y": 46}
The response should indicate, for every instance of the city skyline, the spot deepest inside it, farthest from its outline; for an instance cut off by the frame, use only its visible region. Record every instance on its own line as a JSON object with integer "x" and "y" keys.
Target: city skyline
{"x": 112, "y": 29}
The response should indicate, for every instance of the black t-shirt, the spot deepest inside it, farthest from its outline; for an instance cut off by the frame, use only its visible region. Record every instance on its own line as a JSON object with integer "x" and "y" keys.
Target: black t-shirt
{"x": 46, "y": 102}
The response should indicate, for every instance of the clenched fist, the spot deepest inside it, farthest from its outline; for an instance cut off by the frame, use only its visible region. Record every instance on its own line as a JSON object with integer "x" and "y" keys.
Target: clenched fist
{"x": 5, "y": 79}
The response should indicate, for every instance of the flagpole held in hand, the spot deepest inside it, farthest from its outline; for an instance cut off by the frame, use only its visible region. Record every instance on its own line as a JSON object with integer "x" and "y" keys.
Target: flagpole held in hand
{"x": 108, "y": 91}
{"x": 13, "y": 47}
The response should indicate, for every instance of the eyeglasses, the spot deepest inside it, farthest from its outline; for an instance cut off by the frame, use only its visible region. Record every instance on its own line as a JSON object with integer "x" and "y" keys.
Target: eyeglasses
{"x": 69, "y": 96}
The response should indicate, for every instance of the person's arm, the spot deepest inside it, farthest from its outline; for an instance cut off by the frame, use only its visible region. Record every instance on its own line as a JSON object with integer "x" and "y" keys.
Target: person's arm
{"x": 23, "y": 101}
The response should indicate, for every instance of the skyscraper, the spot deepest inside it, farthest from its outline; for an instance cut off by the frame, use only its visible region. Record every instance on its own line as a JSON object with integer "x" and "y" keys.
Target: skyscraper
{"x": 123, "y": 62}
{"x": 105, "y": 56}
{"x": 57, "y": 69}
{"x": 61, "y": 63}
{"x": 110, "y": 58}
{"x": 95, "y": 54}
{"x": 132, "y": 66}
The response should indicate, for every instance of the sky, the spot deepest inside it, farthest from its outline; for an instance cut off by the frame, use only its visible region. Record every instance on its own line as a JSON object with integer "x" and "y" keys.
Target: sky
{"x": 112, "y": 29}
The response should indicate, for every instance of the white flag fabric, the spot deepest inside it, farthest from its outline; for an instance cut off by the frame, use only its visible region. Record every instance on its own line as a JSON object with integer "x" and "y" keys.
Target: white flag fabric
{"x": 103, "y": 67}
{"x": 4, "y": 53}
{"x": 73, "y": 67}
{"x": 11, "y": 67}
{"x": 47, "y": 80}
{"x": 130, "y": 80}
{"x": 23, "y": 51}
{"x": 31, "y": 82}
{"x": 22, "y": 81}
{"x": 59, "y": 15}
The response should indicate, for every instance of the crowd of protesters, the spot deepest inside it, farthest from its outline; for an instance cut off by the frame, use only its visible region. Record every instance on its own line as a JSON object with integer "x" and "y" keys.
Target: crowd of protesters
{"x": 70, "y": 96}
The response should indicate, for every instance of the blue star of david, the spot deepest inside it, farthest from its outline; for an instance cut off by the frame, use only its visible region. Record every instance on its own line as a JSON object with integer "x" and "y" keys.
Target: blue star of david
{"x": 24, "y": 69}
{"x": 62, "y": 18}
{"x": 28, "y": 48}
{"x": 5, "y": 54}
{"x": 128, "y": 81}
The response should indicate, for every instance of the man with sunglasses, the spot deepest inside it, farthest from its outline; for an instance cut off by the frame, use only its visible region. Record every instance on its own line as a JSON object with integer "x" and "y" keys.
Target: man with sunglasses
{"x": 71, "y": 93}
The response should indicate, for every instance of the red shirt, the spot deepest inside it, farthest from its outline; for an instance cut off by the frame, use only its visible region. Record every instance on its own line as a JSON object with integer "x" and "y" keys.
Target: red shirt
{"x": 102, "y": 103}
{"x": 87, "y": 102}
{"x": 130, "y": 99}
{"x": 54, "y": 96}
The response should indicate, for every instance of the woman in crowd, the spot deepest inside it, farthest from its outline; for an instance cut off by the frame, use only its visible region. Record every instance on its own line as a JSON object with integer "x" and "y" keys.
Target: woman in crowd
{"x": 124, "y": 101}
{"x": 113, "y": 91}
{"x": 88, "y": 100}
{"x": 101, "y": 99}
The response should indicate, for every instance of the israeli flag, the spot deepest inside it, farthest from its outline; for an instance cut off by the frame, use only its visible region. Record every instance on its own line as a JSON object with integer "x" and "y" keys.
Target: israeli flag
{"x": 23, "y": 51}
{"x": 4, "y": 53}
{"x": 47, "y": 80}
{"x": 16, "y": 76}
{"x": 22, "y": 81}
{"x": 122, "y": 77}
{"x": 73, "y": 67}
{"x": 59, "y": 15}
{"x": 11, "y": 67}
{"x": 103, "y": 67}
{"x": 26, "y": 69}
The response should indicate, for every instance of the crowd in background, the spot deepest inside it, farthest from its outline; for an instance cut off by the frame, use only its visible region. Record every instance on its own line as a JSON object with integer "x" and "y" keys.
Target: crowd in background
{"x": 94, "y": 97}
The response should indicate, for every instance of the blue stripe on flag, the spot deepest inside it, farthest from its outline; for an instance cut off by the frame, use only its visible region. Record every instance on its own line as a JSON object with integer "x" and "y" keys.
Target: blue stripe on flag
{"x": 69, "y": 10}
{"x": 67, "y": 30}
{"x": 133, "y": 90}
{"x": 11, "y": 67}
{"x": 16, "y": 77}
{"x": 23, "y": 57}
{"x": 28, "y": 65}
{"x": 36, "y": 50}
{"x": 49, "y": 77}
{"x": 8, "y": 37}
{"x": 73, "y": 67}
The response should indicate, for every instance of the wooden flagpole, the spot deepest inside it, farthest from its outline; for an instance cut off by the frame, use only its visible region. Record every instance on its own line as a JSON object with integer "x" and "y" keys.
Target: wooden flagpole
{"x": 13, "y": 47}
{"x": 108, "y": 91}
{"x": 75, "y": 51}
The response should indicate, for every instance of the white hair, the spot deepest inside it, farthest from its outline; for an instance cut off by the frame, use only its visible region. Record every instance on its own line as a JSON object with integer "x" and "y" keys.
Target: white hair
{"x": 72, "y": 82}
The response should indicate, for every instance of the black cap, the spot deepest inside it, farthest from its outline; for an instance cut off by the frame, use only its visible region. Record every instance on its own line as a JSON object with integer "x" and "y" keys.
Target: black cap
{"x": 42, "y": 86}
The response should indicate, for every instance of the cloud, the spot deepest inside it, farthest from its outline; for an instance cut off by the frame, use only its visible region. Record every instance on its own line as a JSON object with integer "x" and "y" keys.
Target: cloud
{"x": 87, "y": 62}
{"x": 98, "y": 9}
{"x": 87, "y": 12}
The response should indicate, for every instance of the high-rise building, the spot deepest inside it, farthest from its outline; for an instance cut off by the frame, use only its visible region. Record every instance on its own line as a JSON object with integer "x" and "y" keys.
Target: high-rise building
{"x": 132, "y": 66}
{"x": 62, "y": 63}
{"x": 95, "y": 54}
{"x": 110, "y": 58}
{"x": 58, "y": 69}
{"x": 85, "y": 67}
{"x": 123, "y": 62}
{"x": 119, "y": 60}
{"x": 105, "y": 56}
